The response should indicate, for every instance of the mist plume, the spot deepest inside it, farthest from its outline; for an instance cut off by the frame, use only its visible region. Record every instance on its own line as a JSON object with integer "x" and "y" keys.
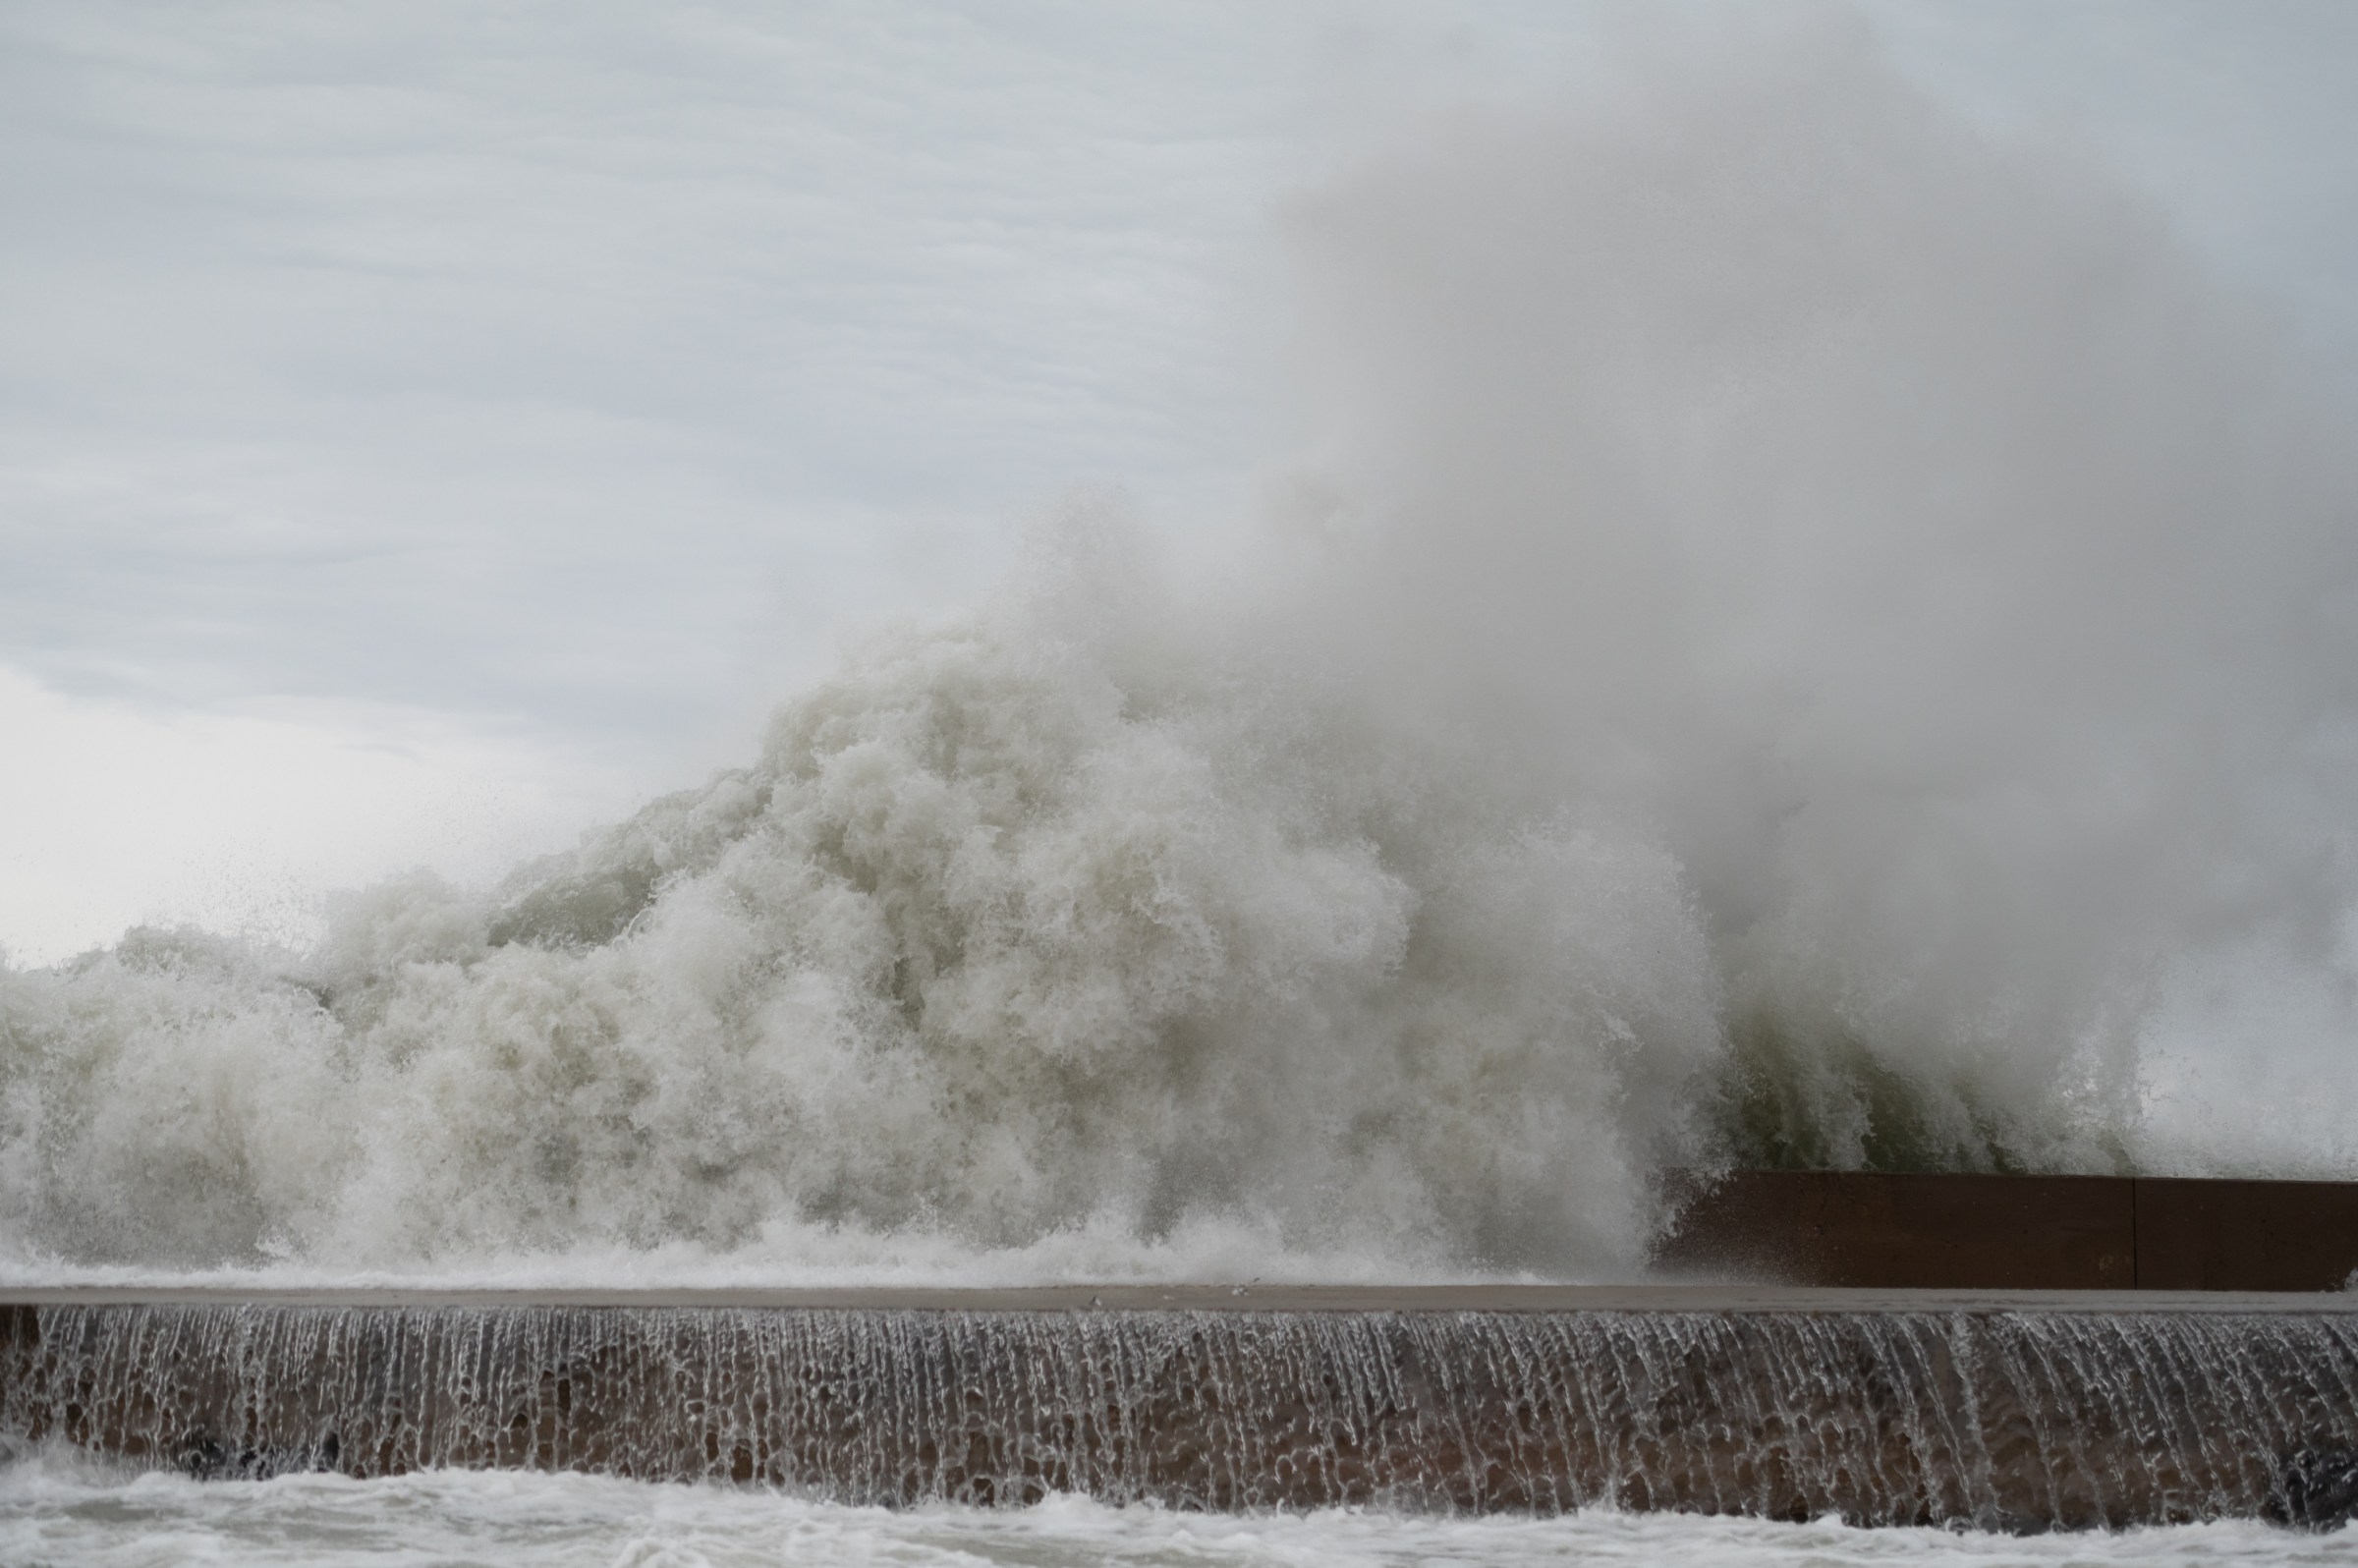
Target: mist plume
{"x": 1796, "y": 619}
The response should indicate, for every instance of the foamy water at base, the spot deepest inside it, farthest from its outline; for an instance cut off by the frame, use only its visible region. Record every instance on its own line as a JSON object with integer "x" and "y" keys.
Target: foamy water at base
{"x": 61, "y": 1509}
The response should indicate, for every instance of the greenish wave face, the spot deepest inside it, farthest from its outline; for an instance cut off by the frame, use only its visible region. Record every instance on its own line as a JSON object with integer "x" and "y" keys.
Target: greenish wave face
{"x": 1793, "y": 1099}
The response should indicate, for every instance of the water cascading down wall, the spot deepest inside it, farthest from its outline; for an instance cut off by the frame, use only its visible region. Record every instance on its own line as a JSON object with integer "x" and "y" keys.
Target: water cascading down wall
{"x": 2032, "y": 1413}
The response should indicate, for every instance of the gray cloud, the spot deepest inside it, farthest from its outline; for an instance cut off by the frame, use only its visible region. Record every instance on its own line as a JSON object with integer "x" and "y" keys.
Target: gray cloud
{"x": 586, "y": 366}
{"x": 526, "y": 360}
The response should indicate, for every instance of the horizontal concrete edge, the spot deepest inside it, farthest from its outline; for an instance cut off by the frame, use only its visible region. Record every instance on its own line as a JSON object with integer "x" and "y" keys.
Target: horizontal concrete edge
{"x": 1478, "y": 1298}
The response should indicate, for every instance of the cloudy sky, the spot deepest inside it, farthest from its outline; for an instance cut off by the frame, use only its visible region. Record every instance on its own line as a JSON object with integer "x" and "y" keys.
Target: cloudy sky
{"x": 426, "y": 429}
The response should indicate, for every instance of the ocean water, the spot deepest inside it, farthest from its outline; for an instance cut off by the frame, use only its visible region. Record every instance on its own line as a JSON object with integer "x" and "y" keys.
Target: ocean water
{"x": 61, "y": 1510}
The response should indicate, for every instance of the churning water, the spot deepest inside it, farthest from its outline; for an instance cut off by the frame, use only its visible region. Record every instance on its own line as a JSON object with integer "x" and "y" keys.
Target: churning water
{"x": 59, "y": 1509}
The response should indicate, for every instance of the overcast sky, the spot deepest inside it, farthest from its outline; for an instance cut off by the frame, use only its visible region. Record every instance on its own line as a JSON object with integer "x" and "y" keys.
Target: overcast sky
{"x": 427, "y": 427}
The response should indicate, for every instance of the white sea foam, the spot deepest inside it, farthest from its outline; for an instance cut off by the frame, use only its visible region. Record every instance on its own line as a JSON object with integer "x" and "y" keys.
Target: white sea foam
{"x": 1015, "y": 935}
{"x": 56, "y": 1509}
{"x": 1798, "y": 624}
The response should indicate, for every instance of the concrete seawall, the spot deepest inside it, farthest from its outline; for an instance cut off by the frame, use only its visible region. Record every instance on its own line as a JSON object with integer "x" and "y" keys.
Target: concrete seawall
{"x": 2017, "y": 1353}
{"x": 2017, "y": 1411}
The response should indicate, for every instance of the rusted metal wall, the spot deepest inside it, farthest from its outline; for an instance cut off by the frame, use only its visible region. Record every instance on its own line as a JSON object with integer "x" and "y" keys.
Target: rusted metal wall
{"x": 1974, "y": 1232}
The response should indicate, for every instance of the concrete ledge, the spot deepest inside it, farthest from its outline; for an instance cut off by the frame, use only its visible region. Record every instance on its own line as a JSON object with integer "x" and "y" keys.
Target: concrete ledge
{"x": 1487, "y": 1299}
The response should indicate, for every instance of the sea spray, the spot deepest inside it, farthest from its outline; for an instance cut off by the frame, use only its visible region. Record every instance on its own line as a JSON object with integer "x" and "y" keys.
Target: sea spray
{"x": 1797, "y": 624}
{"x": 1892, "y": 522}
{"x": 987, "y": 941}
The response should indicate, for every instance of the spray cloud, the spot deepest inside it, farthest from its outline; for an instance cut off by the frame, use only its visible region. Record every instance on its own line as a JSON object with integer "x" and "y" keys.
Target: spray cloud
{"x": 1796, "y": 623}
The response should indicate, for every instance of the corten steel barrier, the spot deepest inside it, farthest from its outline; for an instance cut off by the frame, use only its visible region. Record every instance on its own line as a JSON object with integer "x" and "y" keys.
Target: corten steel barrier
{"x": 1973, "y": 1232}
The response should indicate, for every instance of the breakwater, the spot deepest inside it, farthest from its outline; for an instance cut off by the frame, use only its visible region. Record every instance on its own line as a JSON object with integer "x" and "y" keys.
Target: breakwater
{"x": 1999, "y": 1413}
